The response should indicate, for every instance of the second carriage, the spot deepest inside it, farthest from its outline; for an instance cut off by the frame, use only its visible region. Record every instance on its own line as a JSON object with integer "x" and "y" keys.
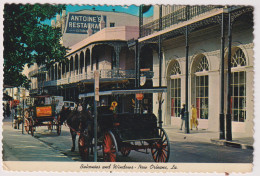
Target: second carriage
{"x": 43, "y": 112}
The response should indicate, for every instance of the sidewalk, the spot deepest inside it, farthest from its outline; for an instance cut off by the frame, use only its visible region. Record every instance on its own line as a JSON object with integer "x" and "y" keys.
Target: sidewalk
{"x": 240, "y": 140}
{"x": 24, "y": 147}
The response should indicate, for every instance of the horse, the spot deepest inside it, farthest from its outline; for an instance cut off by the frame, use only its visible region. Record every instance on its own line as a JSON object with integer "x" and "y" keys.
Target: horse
{"x": 79, "y": 122}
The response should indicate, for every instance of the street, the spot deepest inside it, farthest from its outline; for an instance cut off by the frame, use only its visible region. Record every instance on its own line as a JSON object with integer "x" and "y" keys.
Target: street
{"x": 48, "y": 146}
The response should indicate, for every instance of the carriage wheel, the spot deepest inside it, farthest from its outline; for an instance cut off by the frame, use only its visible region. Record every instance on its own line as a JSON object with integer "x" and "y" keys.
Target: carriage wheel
{"x": 109, "y": 147}
{"x": 83, "y": 147}
{"x": 161, "y": 149}
{"x": 125, "y": 151}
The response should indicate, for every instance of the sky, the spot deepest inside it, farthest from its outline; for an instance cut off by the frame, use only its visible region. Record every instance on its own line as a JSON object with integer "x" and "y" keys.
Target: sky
{"x": 132, "y": 9}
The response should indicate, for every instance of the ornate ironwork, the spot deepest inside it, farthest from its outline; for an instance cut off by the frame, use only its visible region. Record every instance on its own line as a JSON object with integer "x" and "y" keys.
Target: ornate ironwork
{"x": 104, "y": 74}
{"x": 175, "y": 68}
{"x": 202, "y": 64}
{"x": 238, "y": 59}
{"x": 175, "y": 17}
{"x": 239, "y": 11}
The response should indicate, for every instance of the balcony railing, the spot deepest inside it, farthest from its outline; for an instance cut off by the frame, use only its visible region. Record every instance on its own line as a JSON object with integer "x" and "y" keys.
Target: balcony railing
{"x": 183, "y": 14}
{"x": 36, "y": 72}
{"x": 33, "y": 91}
{"x": 104, "y": 74}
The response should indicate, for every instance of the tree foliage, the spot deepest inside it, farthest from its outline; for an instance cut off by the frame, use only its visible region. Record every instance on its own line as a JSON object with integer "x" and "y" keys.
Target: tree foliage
{"x": 28, "y": 40}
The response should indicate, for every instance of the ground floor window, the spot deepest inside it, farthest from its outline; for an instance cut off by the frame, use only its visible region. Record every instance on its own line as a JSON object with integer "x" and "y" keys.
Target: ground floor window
{"x": 175, "y": 97}
{"x": 238, "y": 98}
{"x": 202, "y": 96}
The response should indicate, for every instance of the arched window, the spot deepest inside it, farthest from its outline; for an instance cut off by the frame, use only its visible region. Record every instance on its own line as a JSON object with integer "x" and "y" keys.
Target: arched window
{"x": 175, "y": 69}
{"x": 238, "y": 59}
{"x": 87, "y": 59}
{"x": 202, "y": 88}
{"x": 203, "y": 65}
{"x": 71, "y": 66}
{"x": 238, "y": 84}
{"x": 175, "y": 86}
{"x": 76, "y": 64}
{"x": 55, "y": 72}
{"x": 67, "y": 66}
{"x": 81, "y": 62}
{"x": 59, "y": 71}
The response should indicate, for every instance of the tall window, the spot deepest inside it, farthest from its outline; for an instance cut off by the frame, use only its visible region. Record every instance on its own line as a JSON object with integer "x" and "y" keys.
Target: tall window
{"x": 202, "y": 89}
{"x": 76, "y": 64}
{"x": 238, "y": 84}
{"x": 175, "y": 90}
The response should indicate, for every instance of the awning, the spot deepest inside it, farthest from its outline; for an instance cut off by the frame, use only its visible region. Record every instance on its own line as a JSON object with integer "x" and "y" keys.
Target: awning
{"x": 127, "y": 91}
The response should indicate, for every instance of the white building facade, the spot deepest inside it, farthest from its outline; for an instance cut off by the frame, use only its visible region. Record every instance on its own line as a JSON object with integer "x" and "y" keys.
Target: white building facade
{"x": 204, "y": 69}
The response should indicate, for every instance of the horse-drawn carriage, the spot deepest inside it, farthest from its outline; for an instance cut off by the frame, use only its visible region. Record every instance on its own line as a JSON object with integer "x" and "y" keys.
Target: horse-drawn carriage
{"x": 42, "y": 113}
{"x": 123, "y": 132}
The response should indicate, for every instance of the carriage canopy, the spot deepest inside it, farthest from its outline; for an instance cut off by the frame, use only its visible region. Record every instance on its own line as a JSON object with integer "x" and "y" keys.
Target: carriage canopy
{"x": 127, "y": 91}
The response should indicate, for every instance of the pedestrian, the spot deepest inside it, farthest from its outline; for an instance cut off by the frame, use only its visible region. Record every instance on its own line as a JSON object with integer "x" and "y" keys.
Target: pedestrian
{"x": 8, "y": 112}
{"x": 80, "y": 107}
{"x": 4, "y": 107}
{"x": 182, "y": 116}
{"x": 193, "y": 120}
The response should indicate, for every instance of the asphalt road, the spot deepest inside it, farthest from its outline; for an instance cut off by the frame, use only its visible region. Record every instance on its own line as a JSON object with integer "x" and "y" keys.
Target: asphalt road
{"x": 48, "y": 146}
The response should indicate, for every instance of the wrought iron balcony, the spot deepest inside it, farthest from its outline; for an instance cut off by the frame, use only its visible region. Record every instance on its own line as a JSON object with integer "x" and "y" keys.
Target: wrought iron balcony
{"x": 33, "y": 91}
{"x": 178, "y": 16}
{"x": 104, "y": 74}
{"x": 37, "y": 71}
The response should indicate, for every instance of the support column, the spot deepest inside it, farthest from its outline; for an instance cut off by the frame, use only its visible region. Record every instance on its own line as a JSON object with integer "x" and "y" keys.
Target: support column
{"x": 187, "y": 129}
{"x": 136, "y": 63}
{"x": 160, "y": 67}
{"x": 69, "y": 69}
{"x": 221, "y": 115}
{"x": 117, "y": 51}
{"x": 137, "y": 74}
{"x": 228, "y": 115}
{"x": 140, "y": 20}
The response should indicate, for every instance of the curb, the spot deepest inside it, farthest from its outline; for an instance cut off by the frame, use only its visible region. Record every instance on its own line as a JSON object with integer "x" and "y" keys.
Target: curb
{"x": 232, "y": 144}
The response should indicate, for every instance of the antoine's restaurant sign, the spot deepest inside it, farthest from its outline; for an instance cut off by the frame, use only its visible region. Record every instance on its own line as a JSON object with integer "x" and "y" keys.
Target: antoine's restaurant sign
{"x": 80, "y": 23}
